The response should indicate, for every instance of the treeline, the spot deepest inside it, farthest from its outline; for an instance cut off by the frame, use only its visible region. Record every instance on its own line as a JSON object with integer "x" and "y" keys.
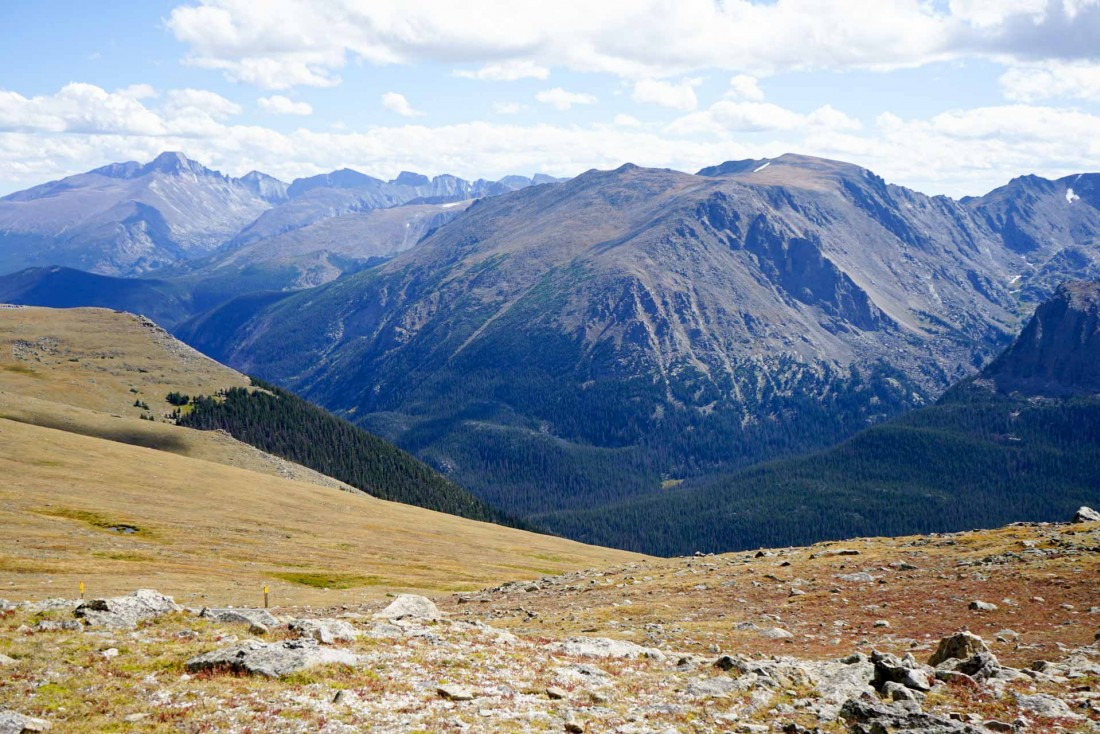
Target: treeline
{"x": 980, "y": 462}
{"x": 280, "y": 423}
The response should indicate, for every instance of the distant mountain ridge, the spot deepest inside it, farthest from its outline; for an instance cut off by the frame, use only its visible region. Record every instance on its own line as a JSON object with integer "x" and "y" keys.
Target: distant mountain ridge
{"x": 127, "y": 219}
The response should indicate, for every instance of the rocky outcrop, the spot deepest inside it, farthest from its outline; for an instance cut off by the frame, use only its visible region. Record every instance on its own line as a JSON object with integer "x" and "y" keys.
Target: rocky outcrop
{"x": 325, "y": 631}
{"x": 255, "y": 617}
{"x": 271, "y": 660}
{"x": 959, "y": 646}
{"x": 125, "y": 612}
{"x": 1058, "y": 352}
{"x": 903, "y": 717}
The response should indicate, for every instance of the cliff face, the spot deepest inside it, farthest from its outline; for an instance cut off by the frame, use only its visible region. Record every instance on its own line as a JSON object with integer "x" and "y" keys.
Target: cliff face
{"x": 1058, "y": 352}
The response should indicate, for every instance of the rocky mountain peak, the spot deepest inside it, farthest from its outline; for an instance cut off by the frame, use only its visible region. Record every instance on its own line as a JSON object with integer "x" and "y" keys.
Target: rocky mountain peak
{"x": 174, "y": 162}
{"x": 1058, "y": 352}
{"x": 408, "y": 178}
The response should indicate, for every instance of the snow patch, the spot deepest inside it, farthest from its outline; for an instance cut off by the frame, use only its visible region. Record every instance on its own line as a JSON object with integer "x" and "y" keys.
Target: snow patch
{"x": 1070, "y": 196}
{"x": 453, "y": 203}
{"x": 1014, "y": 279}
{"x": 761, "y": 168}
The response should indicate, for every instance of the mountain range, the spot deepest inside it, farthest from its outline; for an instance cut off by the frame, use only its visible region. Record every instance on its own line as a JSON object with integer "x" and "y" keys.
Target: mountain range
{"x": 575, "y": 348}
{"x": 567, "y": 346}
{"x": 176, "y": 216}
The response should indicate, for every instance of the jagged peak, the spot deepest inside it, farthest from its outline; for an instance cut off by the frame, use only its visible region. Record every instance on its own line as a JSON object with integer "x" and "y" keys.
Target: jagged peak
{"x": 176, "y": 162}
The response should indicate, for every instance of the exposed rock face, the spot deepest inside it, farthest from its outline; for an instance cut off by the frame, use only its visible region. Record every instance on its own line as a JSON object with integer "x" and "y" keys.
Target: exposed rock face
{"x": 411, "y": 607}
{"x": 272, "y": 660}
{"x": 125, "y": 218}
{"x": 124, "y": 612}
{"x": 1058, "y": 352}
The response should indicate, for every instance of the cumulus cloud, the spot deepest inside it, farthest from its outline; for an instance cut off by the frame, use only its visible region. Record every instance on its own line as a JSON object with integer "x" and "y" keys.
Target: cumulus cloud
{"x": 507, "y": 72}
{"x": 562, "y": 100}
{"x": 958, "y": 152}
{"x": 747, "y": 87}
{"x": 678, "y": 96}
{"x": 397, "y": 103}
{"x": 726, "y": 117}
{"x": 294, "y": 42}
{"x": 1051, "y": 80}
{"x": 278, "y": 104}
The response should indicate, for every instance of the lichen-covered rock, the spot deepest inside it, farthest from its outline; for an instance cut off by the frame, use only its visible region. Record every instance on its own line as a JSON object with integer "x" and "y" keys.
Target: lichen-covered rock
{"x": 960, "y": 646}
{"x": 15, "y": 723}
{"x": 602, "y": 647}
{"x": 260, "y": 617}
{"x": 124, "y": 612}
{"x": 411, "y": 607}
{"x": 272, "y": 660}
{"x": 1086, "y": 514}
{"x": 904, "y": 717}
{"x": 325, "y": 631}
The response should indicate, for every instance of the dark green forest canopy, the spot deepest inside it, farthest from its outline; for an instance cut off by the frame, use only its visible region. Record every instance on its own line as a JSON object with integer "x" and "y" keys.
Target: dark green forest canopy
{"x": 280, "y": 423}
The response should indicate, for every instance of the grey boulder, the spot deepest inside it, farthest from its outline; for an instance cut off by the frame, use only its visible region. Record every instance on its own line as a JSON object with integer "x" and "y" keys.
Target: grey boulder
{"x": 124, "y": 612}
{"x": 271, "y": 660}
{"x": 412, "y": 607}
{"x": 13, "y": 723}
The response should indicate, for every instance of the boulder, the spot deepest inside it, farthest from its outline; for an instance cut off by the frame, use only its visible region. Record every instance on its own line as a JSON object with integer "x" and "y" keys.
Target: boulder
{"x": 13, "y": 723}
{"x": 602, "y": 647}
{"x": 960, "y": 646}
{"x": 982, "y": 606}
{"x": 869, "y": 717}
{"x": 325, "y": 631}
{"x": 410, "y": 606}
{"x": 1086, "y": 514}
{"x": 1042, "y": 704}
{"x": 270, "y": 659}
{"x": 5, "y": 660}
{"x": 831, "y": 552}
{"x": 775, "y": 633}
{"x": 124, "y": 612}
{"x": 888, "y": 669}
{"x": 455, "y": 693}
{"x": 258, "y": 617}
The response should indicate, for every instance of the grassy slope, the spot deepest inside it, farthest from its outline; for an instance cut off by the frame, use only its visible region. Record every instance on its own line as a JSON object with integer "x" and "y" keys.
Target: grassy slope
{"x": 209, "y": 533}
{"x": 218, "y": 517}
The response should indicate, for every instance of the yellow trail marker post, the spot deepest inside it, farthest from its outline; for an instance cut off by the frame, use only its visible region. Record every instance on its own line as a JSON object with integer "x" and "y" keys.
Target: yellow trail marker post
{"x": 82, "y": 590}
{"x": 265, "y": 597}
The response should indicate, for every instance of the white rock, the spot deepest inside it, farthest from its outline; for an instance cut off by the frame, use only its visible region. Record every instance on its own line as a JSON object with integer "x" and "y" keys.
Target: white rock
{"x": 410, "y": 606}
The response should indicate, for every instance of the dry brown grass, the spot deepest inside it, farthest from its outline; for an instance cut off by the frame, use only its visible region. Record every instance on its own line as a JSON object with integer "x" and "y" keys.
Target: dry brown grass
{"x": 216, "y": 520}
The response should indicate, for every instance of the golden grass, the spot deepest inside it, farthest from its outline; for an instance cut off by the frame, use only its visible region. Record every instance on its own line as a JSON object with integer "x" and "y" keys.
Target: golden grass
{"x": 213, "y": 534}
{"x": 215, "y": 520}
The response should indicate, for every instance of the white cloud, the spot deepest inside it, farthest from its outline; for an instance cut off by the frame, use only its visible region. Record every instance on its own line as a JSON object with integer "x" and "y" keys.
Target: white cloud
{"x": 747, "y": 87}
{"x": 562, "y": 100}
{"x": 728, "y": 116}
{"x": 677, "y": 96}
{"x": 508, "y": 108}
{"x": 397, "y": 103}
{"x": 509, "y": 71}
{"x": 286, "y": 43}
{"x": 278, "y": 104}
{"x": 80, "y": 108}
{"x": 1050, "y": 80}
{"x": 627, "y": 121}
{"x": 958, "y": 152}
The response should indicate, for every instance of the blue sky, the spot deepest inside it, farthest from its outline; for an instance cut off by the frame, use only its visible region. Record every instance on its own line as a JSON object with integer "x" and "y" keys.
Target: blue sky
{"x": 948, "y": 97}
